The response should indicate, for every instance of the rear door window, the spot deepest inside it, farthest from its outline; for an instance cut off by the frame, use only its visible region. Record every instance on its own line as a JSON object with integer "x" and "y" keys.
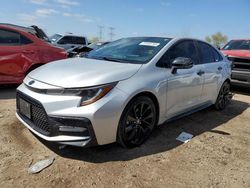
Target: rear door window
{"x": 66, "y": 40}
{"x": 79, "y": 40}
{"x": 9, "y": 38}
{"x": 217, "y": 56}
{"x": 206, "y": 53}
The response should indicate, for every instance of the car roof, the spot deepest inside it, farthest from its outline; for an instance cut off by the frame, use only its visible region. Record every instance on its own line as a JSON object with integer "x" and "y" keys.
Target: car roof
{"x": 34, "y": 30}
{"x": 71, "y": 35}
{"x": 25, "y": 29}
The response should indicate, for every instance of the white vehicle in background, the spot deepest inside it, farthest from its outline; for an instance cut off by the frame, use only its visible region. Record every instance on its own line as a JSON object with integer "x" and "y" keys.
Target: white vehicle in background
{"x": 122, "y": 91}
{"x": 68, "y": 41}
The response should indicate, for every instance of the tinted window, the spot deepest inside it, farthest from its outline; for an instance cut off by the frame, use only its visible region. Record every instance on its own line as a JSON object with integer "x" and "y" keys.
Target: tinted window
{"x": 183, "y": 49}
{"x": 206, "y": 53}
{"x": 66, "y": 40}
{"x": 217, "y": 56}
{"x": 79, "y": 40}
{"x": 25, "y": 40}
{"x": 9, "y": 37}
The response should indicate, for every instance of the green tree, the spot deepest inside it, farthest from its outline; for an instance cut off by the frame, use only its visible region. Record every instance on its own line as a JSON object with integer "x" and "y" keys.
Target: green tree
{"x": 217, "y": 39}
{"x": 94, "y": 39}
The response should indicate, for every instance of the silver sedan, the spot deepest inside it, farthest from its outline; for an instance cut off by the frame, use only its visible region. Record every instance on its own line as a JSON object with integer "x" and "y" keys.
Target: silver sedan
{"x": 123, "y": 90}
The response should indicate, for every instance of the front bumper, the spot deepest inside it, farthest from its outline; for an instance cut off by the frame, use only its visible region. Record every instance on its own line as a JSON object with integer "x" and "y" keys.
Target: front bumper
{"x": 241, "y": 78}
{"x": 76, "y": 131}
{"x": 100, "y": 119}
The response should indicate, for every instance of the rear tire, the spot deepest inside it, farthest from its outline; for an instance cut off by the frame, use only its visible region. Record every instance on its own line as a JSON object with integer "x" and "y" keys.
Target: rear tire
{"x": 224, "y": 97}
{"x": 137, "y": 122}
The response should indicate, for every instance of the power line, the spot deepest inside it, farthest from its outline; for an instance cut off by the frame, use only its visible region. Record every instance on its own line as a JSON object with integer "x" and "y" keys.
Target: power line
{"x": 111, "y": 34}
{"x": 100, "y": 32}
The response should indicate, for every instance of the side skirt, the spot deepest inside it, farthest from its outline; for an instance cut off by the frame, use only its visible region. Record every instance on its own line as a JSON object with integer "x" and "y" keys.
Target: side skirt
{"x": 187, "y": 113}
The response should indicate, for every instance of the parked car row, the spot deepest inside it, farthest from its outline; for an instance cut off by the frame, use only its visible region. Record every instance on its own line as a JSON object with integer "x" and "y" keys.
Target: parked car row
{"x": 22, "y": 49}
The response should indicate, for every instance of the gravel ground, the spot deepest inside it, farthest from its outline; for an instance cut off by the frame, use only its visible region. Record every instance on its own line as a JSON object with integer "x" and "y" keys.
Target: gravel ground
{"x": 217, "y": 156}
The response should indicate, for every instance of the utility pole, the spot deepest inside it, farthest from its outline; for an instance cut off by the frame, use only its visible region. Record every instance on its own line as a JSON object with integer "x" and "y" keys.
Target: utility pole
{"x": 111, "y": 34}
{"x": 100, "y": 32}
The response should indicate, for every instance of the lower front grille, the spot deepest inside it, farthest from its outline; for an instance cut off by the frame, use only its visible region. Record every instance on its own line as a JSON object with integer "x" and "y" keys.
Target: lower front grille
{"x": 39, "y": 117}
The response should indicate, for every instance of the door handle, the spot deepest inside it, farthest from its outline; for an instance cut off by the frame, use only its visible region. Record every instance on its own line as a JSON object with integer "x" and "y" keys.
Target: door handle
{"x": 201, "y": 72}
{"x": 219, "y": 68}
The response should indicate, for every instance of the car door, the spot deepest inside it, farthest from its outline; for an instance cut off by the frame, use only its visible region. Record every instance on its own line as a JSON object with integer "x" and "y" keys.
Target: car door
{"x": 211, "y": 60}
{"x": 10, "y": 55}
{"x": 185, "y": 86}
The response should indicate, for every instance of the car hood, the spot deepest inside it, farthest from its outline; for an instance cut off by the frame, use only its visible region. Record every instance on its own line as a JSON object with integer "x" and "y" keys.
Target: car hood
{"x": 83, "y": 72}
{"x": 237, "y": 53}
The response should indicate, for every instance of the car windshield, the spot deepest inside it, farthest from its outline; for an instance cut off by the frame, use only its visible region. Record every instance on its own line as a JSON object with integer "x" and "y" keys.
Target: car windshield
{"x": 137, "y": 50}
{"x": 55, "y": 37}
{"x": 237, "y": 45}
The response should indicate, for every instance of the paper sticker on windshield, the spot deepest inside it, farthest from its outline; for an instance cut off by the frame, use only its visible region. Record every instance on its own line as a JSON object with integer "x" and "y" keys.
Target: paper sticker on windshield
{"x": 154, "y": 44}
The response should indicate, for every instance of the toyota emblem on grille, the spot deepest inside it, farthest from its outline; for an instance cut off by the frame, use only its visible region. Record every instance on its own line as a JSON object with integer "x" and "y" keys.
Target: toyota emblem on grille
{"x": 31, "y": 82}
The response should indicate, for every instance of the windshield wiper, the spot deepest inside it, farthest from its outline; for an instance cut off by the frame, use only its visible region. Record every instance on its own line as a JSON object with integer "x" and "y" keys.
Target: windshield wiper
{"x": 111, "y": 59}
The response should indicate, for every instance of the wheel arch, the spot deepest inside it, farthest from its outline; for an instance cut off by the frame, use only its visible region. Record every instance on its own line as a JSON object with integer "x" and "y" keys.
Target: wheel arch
{"x": 152, "y": 97}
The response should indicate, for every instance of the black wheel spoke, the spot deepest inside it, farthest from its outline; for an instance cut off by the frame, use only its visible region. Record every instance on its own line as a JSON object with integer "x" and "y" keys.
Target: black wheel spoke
{"x": 131, "y": 118}
{"x": 132, "y": 135}
{"x": 147, "y": 124}
{"x": 135, "y": 112}
{"x": 148, "y": 116}
{"x": 141, "y": 112}
{"x": 145, "y": 111}
{"x": 129, "y": 128}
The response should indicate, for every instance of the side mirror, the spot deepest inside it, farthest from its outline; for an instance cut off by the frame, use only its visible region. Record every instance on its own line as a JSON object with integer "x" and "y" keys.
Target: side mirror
{"x": 181, "y": 63}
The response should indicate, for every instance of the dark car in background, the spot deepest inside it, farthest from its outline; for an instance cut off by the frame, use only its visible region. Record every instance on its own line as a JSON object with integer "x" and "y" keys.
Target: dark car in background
{"x": 238, "y": 51}
{"x": 81, "y": 51}
{"x": 23, "y": 49}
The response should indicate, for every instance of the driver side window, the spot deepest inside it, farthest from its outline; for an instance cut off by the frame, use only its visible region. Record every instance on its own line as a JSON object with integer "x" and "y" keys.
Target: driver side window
{"x": 185, "y": 49}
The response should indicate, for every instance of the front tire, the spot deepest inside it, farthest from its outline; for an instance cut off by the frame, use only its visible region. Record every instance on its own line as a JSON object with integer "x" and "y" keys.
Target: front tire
{"x": 137, "y": 122}
{"x": 224, "y": 97}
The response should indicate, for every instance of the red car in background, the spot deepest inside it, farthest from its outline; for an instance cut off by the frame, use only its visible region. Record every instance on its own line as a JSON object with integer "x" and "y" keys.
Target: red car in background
{"x": 238, "y": 51}
{"x": 23, "y": 49}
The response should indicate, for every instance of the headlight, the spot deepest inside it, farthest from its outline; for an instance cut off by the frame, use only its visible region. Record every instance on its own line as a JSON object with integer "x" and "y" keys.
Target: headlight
{"x": 89, "y": 95}
{"x": 92, "y": 95}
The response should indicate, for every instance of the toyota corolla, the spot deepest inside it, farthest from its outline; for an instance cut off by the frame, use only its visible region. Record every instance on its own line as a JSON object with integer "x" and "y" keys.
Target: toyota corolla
{"x": 123, "y": 90}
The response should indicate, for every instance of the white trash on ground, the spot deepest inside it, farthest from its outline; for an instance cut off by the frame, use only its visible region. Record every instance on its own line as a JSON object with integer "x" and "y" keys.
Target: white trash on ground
{"x": 184, "y": 137}
{"x": 40, "y": 165}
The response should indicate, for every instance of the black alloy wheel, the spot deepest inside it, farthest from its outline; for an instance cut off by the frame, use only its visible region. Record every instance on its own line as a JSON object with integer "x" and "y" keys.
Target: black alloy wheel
{"x": 224, "y": 97}
{"x": 137, "y": 122}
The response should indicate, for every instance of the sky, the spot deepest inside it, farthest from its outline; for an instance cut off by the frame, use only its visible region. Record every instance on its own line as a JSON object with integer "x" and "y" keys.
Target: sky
{"x": 191, "y": 18}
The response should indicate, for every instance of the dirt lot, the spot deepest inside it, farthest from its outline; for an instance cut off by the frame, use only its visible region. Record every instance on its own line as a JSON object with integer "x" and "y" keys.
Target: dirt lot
{"x": 218, "y": 155}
